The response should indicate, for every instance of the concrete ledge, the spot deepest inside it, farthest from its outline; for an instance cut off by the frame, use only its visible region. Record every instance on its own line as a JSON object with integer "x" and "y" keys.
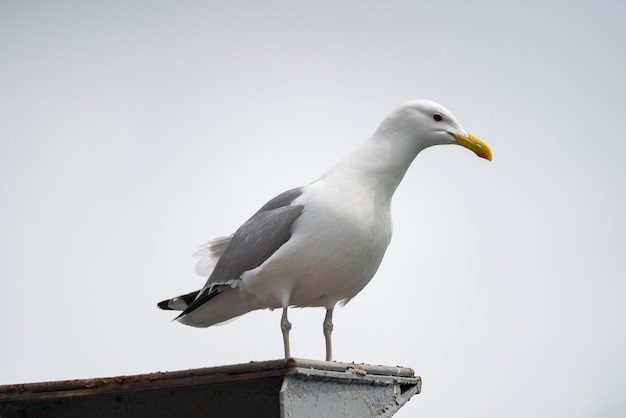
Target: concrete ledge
{"x": 295, "y": 388}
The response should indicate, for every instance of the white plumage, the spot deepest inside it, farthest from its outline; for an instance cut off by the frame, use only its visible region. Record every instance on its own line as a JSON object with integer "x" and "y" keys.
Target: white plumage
{"x": 322, "y": 243}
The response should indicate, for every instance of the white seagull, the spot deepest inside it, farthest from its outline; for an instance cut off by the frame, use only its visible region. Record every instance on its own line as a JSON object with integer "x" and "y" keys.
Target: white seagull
{"x": 319, "y": 244}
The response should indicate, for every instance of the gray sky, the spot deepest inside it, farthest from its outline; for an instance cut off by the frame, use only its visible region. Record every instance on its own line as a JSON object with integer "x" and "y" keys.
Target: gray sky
{"x": 132, "y": 132}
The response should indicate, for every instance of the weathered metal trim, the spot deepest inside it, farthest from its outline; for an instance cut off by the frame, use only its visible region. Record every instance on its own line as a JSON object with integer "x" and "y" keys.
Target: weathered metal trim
{"x": 342, "y": 389}
{"x": 225, "y": 391}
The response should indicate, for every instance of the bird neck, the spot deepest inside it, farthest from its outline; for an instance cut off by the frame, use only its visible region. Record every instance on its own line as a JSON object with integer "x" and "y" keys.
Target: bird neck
{"x": 379, "y": 164}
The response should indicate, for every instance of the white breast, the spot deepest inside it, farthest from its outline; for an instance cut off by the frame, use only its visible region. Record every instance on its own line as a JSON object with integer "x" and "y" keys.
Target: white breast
{"x": 335, "y": 249}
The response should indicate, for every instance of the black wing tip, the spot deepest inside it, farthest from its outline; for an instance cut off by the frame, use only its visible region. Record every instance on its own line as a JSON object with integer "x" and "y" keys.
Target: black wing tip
{"x": 165, "y": 305}
{"x": 202, "y": 298}
{"x": 178, "y": 303}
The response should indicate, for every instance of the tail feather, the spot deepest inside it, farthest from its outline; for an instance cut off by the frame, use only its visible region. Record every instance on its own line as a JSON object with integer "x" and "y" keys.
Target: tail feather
{"x": 208, "y": 254}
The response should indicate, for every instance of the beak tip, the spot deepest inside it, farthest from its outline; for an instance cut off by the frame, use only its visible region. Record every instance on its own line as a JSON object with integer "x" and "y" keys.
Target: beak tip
{"x": 474, "y": 144}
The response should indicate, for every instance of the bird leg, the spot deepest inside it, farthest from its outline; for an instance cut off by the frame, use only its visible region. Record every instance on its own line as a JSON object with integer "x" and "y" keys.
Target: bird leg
{"x": 328, "y": 329}
{"x": 285, "y": 327}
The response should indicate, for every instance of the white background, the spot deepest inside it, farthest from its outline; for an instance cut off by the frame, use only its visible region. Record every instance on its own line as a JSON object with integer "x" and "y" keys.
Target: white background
{"x": 132, "y": 132}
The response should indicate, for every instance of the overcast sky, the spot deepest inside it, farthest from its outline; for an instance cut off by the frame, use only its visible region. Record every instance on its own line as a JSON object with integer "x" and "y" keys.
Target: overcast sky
{"x": 132, "y": 132}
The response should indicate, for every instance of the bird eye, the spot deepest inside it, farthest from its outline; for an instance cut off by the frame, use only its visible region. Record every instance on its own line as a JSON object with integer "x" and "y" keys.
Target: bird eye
{"x": 437, "y": 117}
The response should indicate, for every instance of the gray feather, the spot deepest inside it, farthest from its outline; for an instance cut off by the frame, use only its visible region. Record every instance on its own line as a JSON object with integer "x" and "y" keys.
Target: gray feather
{"x": 253, "y": 243}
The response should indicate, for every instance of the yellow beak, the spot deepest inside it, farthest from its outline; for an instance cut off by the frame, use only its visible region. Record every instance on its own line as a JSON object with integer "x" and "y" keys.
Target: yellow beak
{"x": 474, "y": 144}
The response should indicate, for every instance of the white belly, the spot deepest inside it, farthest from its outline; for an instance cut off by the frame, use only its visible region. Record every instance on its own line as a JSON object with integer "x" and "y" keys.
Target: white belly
{"x": 335, "y": 250}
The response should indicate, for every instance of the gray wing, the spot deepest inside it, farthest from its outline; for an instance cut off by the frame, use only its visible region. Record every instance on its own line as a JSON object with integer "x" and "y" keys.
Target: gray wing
{"x": 253, "y": 243}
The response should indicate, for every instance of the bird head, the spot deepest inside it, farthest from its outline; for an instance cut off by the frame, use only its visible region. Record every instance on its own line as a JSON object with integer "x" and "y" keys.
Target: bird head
{"x": 432, "y": 124}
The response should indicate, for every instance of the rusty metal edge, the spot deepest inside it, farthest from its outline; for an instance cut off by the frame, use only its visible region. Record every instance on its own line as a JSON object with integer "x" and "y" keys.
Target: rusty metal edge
{"x": 142, "y": 382}
{"x": 185, "y": 378}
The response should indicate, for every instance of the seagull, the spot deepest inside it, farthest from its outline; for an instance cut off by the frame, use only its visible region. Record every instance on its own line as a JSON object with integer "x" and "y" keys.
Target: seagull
{"x": 320, "y": 244}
